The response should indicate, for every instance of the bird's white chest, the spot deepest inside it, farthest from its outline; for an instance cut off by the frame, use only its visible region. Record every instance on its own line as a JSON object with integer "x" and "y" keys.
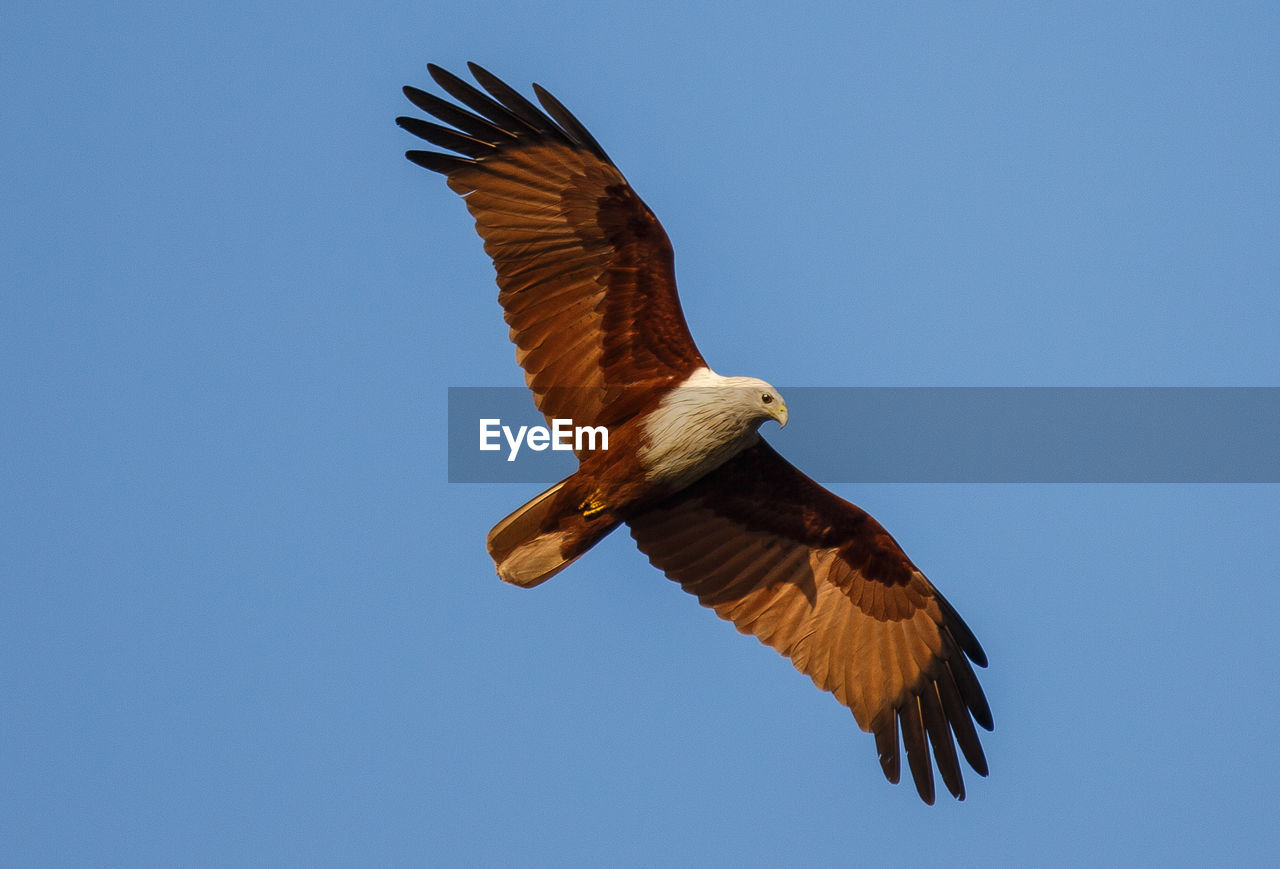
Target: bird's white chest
{"x": 689, "y": 435}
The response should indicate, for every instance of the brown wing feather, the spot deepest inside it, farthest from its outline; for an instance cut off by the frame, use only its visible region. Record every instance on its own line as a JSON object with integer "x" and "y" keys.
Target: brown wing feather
{"x": 585, "y": 271}
{"x": 822, "y": 582}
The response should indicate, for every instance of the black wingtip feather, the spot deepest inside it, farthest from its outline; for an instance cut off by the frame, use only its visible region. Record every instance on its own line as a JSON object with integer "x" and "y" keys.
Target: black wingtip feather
{"x": 963, "y": 635}
{"x": 972, "y": 693}
{"x": 944, "y": 748}
{"x": 442, "y": 163}
{"x": 445, "y": 137}
{"x": 569, "y": 122}
{"x": 886, "y": 733}
{"x": 916, "y": 743}
{"x": 957, "y": 714}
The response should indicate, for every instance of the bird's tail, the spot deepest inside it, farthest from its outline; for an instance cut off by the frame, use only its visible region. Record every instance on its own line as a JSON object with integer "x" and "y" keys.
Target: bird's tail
{"x": 548, "y": 534}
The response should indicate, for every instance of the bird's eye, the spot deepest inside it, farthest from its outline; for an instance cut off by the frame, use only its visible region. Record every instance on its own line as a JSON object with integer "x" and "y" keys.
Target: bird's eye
{"x": 767, "y": 398}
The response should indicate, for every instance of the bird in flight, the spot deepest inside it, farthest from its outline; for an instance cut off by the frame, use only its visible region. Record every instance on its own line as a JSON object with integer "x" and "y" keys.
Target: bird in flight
{"x": 587, "y": 284}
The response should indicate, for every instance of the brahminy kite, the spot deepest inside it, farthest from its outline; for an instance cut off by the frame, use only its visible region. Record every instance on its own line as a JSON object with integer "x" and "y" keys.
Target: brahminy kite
{"x": 586, "y": 280}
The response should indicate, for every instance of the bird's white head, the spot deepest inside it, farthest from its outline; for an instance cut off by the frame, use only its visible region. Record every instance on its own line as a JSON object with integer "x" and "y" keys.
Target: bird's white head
{"x": 741, "y": 403}
{"x": 758, "y": 399}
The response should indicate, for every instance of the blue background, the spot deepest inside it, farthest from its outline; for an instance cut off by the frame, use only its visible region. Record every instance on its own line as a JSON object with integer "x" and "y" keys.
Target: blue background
{"x": 246, "y": 619}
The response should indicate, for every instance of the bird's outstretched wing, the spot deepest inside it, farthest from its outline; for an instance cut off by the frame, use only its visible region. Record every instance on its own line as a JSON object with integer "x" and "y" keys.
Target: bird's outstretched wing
{"x": 822, "y": 582}
{"x": 585, "y": 270}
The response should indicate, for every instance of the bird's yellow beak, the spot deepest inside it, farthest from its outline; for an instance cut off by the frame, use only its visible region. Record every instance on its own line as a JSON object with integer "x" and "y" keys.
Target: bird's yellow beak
{"x": 780, "y": 414}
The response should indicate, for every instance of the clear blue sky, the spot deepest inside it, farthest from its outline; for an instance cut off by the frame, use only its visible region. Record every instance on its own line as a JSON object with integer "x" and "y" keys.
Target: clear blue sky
{"x": 245, "y": 620}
